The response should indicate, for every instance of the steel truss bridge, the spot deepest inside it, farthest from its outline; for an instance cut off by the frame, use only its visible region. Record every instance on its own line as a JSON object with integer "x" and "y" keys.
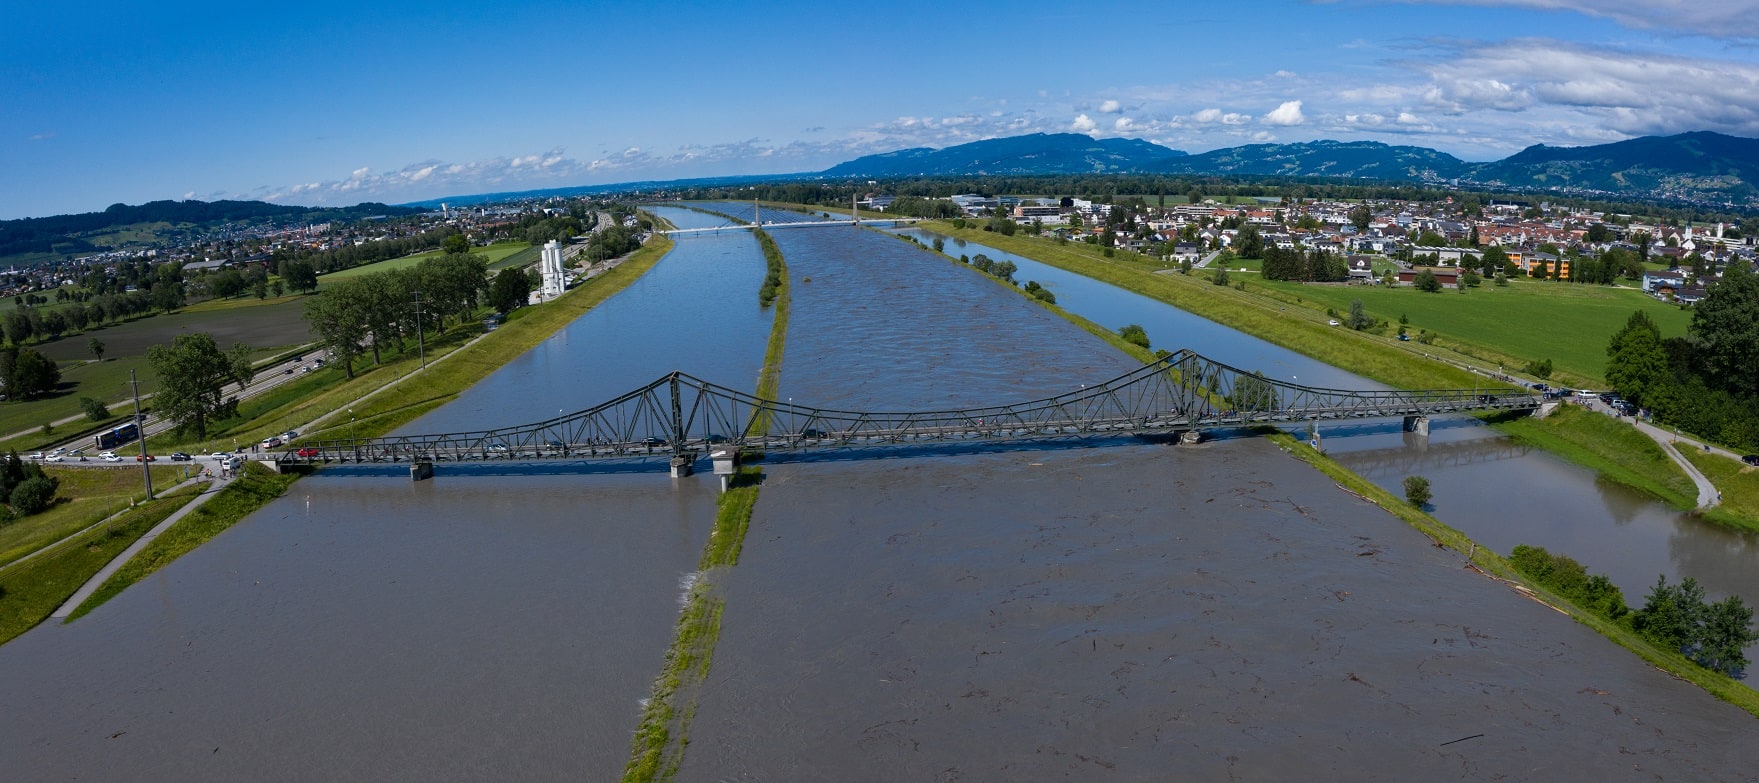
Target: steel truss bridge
{"x": 682, "y": 416}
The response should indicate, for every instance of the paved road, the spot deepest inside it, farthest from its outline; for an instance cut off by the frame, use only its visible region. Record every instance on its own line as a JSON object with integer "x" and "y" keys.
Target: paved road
{"x": 265, "y": 379}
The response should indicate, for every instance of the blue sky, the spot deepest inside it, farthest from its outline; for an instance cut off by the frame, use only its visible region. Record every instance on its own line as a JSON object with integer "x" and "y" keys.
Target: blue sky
{"x": 336, "y": 103}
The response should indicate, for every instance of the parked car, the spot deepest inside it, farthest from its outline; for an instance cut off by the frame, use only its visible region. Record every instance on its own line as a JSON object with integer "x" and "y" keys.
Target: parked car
{"x": 1751, "y": 459}
{"x": 271, "y": 442}
{"x": 289, "y": 435}
{"x": 178, "y": 456}
{"x": 220, "y": 455}
{"x": 306, "y": 452}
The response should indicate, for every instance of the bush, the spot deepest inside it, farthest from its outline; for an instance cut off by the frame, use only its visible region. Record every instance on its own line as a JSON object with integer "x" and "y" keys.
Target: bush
{"x": 1134, "y": 334}
{"x": 1568, "y": 578}
{"x": 1540, "y": 369}
{"x": 95, "y": 410}
{"x": 1427, "y": 281}
{"x": 34, "y": 494}
{"x": 1417, "y": 491}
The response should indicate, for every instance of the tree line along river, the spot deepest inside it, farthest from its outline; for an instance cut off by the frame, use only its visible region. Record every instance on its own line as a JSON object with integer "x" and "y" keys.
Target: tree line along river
{"x": 1017, "y": 613}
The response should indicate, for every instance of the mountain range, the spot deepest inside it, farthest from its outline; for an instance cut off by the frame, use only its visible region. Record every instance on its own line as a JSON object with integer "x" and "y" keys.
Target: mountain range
{"x": 1701, "y": 166}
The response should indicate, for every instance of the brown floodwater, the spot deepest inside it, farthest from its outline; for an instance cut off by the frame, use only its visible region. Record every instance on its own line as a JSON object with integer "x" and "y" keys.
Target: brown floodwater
{"x": 1218, "y": 612}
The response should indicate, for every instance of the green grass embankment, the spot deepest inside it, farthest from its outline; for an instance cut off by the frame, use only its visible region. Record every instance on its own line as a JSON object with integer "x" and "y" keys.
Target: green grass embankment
{"x": 1609, "y": 446}
{"x": 1738, "y": 484}
{"x": 1302, "y": 332}
{"x": 31, "y": 591}
{"x": 1497, "y": 567}
{"x": 664, "y": 733}
{"x": 524, "y": 329}
{"x": 85, "y": 497}
{"x": 249, "y": 492}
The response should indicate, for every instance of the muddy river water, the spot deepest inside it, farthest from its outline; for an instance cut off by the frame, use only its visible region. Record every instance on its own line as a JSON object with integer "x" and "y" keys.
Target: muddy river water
{"x": 1135, "y": 612}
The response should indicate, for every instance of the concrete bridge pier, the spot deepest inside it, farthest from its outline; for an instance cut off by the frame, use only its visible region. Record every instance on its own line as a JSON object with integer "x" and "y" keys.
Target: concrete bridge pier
{"x": 683, "y": 465}
{"x": 1191, "y": 437}
{"x": 726, "y": 464}
{"x": 421, "y": 471}
{"x": 1417, "y": 424}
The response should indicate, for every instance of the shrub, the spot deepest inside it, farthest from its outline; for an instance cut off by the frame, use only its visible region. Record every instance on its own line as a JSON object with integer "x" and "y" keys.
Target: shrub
{"x": 1134, "y": 334}
{"x": 1417, "y": 490}
{"x": 34, "y": 494}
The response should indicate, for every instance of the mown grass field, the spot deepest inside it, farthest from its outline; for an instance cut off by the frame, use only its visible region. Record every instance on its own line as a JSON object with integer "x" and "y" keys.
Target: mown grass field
{"x": 1738, "y": 484}
{"x": 1529, "y": 319}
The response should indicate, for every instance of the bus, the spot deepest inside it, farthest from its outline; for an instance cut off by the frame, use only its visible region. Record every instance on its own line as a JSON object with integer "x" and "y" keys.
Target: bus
{"x": 116, "y": 437}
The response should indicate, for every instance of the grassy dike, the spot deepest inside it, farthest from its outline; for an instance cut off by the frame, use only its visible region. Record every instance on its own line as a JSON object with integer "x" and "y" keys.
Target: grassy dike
{"x": 30, "y": 591}
{"x": 663, "y": 735}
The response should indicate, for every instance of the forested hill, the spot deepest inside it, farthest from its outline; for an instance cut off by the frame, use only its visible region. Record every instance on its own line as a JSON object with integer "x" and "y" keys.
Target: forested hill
{"x": 1038, "y": 153}
{"x": 1699, "y": 166}
{"x": 71, "y": 234}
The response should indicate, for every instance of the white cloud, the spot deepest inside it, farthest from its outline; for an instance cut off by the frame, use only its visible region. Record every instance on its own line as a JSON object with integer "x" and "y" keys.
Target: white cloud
{"x": 1289, "y": 113}
{"x": 1123, "y": 124}
{"x": 1110, "y": 107}
{"x": 1735, "y": 19}
{"x": 1083, "y": 123}
{"x": 1211, "y": 116}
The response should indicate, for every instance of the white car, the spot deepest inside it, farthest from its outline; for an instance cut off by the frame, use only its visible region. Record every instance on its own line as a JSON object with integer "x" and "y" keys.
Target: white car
{"x": 107, "y": 457}
{"x": 1334, "y": 322}
{"x": 222, "y": 455}
{"x": 36, "y": 456}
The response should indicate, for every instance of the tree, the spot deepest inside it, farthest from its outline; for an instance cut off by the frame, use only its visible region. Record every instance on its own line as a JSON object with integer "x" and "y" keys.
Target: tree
{"x": 25, "y": 373}
{"x": 1540, "y": 369}
{"x": 1248, "y": 243}
{"x": 1361, "y": 216}
{"x": 1598, "y": 233}
{"x": 193, "y": 375}
{"x": 1427, "y": 281}
{"x": 1725, "y": 324}
{"x": 1220, "y": 277}
{"x": 1253, "y": 393}
{"x": 96, "y": 347}
{"x": 1417, "y": 491}
{"x": 1635, "y": 360}
{"x": 1359, "y": 318}
{"x": 454, "y": 244}
{"x": 1642, "y": 240}
{"x": 94, "y": 409}
{"x": 511, "y": 289}
{"x": 1495, "y": 259}
{"x": 300, "y": 275}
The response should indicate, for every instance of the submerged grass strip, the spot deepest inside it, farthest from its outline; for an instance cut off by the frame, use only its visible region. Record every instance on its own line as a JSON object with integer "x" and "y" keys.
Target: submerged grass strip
{"x": 663, "y": 735}
{"x": 1493, "y": 564}
{"x": 1609, "y": 446}
{"x": 244, "y": 495}
{"x": 30, "y": 591}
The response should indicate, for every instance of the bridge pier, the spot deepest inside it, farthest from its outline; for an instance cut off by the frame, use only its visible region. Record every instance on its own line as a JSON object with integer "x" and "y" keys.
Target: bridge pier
{"x": 1191, "y": 437}
{"x": 421, "y": 471}
{"x": 726, "y": 464}
{"x": 1417, "y": 424}
{"x": 683, "y": 465}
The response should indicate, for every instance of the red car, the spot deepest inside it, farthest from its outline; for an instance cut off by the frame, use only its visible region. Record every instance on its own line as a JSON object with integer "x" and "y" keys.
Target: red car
{"x": 306, "y": 452}
{"x": 147, "y": 458}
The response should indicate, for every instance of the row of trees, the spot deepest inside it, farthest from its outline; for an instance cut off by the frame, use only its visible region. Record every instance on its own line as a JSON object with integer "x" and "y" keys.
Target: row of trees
{"x": 350, "y": 256}
{"x": 378, "y": 311}
{"x": 612, "y": 242}
{"x": 1675, "y": 617}
{"x": 1304, "y": 265}
{"x": 1706, "y": 382}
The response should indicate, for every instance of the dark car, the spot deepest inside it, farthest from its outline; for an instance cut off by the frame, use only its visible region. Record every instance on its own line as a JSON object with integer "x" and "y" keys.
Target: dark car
{"x": 651, "y": 442}
{"x": 178, "y": 456}
{"x": 1751, "y": 459}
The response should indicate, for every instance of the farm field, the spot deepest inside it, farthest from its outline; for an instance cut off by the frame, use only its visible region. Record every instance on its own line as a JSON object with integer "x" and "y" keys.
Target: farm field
{"x": 497, "y": 252}
{"x": 271, "y": 324}
{"x": 1564, "y": 322}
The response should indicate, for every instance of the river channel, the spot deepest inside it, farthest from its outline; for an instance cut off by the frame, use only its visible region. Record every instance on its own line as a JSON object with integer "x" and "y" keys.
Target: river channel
{"x": 1135, "y": 611}
{"x": 500, "y": 623}
{"x": 1138, "y": 612}
{"x": 1489, "y": 487}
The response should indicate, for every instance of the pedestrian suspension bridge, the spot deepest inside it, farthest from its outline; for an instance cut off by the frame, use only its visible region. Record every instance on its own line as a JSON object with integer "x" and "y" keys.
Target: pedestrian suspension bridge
{"x": 683, "y": 417}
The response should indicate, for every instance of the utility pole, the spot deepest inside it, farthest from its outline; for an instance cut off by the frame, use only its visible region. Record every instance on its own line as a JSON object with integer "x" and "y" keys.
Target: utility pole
{"x": 146, "y": 468}
{"x": 420, "y": 341}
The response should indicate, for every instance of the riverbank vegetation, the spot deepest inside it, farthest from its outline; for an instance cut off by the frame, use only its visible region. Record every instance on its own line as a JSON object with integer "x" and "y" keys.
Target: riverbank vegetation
{"x": 32, "y": 590}
{"x": 776, "y": 271}
{"x": 83, "y": 497}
